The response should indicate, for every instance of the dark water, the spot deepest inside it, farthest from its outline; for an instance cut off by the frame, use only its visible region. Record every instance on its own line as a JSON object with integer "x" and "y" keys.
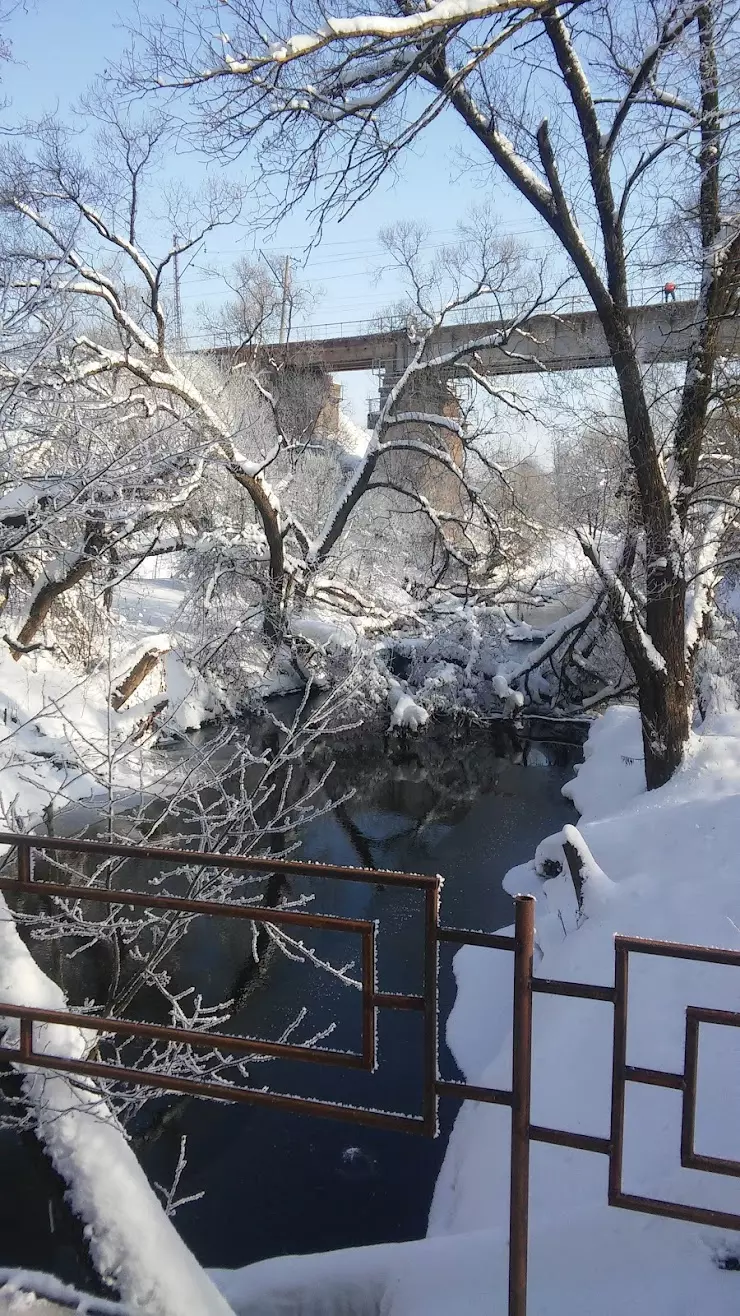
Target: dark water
{"x": 469, "y": 808}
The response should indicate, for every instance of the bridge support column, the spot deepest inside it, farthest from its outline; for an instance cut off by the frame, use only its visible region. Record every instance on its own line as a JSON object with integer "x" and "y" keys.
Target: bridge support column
{"x": 307, "y": 401}
{"x": 425, "y": 396}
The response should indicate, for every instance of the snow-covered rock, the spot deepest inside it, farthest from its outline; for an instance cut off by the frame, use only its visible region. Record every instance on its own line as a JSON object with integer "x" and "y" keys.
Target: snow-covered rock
{"x": 511, "y": 700}
{"x": 192, "y": 698}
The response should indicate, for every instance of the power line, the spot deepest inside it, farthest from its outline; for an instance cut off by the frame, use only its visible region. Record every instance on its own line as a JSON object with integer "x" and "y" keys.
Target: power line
{"x": 514, "y": 230}
{"x": 314, "y": 273}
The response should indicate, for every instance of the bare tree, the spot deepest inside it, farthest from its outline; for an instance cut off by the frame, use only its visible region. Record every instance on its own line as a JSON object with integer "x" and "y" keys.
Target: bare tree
{"x": 113, "y": 488}
{"x": 235, "y": 421}
{"x": 601, "y": 127}
{"x": 264, "y": 301}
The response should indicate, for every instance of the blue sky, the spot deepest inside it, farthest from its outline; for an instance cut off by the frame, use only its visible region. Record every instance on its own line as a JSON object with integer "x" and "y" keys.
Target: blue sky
{"x": 58, "y": 46}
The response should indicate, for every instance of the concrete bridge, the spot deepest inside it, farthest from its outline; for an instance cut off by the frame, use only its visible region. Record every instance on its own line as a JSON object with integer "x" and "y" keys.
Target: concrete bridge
{"x": 573, "y": 340}
{"x": 565, "y": 339}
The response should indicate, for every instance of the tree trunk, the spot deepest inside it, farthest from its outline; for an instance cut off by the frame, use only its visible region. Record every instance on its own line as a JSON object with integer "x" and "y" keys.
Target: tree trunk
{"x": 53, "y": 589}
{"x": 112, "y": 573}
{"x": 657, "y": 655}
{"x": 269, "y": 516}
{"x": 664, "y": 695}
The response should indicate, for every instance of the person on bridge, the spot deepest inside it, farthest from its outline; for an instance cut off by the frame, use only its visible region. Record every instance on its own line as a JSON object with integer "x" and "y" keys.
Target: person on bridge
{"x": 669, "y": 292}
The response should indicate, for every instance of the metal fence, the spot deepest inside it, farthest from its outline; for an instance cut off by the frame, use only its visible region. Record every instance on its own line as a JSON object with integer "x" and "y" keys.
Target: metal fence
{"x": 526, "y": 987}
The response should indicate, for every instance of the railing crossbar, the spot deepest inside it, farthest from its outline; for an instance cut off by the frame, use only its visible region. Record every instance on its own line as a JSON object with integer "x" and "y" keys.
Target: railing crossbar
{"x": 184, "y": 905}
{"x": 215, "y": 859}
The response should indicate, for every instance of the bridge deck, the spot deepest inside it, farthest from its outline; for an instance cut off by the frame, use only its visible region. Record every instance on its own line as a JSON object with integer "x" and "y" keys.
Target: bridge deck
{"x": 572, "y": 341}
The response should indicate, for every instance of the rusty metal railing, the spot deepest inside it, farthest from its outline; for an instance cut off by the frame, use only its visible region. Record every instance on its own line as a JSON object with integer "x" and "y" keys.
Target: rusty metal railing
{"x": 24, "y": 883}
{"x": 526, "y": 986}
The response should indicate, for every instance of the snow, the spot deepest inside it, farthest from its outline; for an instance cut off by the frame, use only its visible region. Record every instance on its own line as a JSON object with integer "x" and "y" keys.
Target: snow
{"x": 512, "y": 700}
{"x": 252, "y": 468}
{"x": 192, "y": 699}
{"x": 353, "y": 438}
{"x": 522, "y": 633}
{"x": 625, "y": 604}
{"x": 454, "y": 659}
{"x": 57, "y": 728}
{"x": 406, "y": 714}
{"x": 701, "y": 587}
{"x": 441, "y": 13}
{"x": 24, "y": 497}
{"x": 670, "y": 857}
{"x": 324, "y": 630}
{"x": 353, "y": 1282}
{"x": 660, "y": 865}
{"x": 149, "y": 605}
{"x": 30, "y": 1291}
{"x": 594, "y": 887}
{"x": 612, "y": 768}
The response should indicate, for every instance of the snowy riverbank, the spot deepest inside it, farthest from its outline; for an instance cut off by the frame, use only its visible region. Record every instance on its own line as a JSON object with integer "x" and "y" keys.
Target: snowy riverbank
{"x": 669, "y": 870}
{"x": 64, "y": 740}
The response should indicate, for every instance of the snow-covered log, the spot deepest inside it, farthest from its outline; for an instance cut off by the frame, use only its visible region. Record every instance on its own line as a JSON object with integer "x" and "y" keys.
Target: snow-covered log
{"x": 134, "y": 1246}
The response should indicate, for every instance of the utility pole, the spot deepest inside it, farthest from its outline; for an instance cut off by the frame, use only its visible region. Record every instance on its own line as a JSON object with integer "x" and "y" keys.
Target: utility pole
{"x": 178, "y": 302}
{"x": 285, "y": 301}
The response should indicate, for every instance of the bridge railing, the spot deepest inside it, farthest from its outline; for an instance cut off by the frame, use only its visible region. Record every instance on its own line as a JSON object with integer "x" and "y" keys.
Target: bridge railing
{"x": 479, "y": 313}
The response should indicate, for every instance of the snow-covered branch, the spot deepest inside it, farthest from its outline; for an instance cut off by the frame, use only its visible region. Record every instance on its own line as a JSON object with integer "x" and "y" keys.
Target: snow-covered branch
{"x": 638, "y": 643}
{"x": 442, "y": 15}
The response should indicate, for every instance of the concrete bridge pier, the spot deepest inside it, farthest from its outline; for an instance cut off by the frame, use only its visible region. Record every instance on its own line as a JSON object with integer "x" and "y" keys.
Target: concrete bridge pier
{"x": 307, "y": 401}
{"x": 426, "y": 395}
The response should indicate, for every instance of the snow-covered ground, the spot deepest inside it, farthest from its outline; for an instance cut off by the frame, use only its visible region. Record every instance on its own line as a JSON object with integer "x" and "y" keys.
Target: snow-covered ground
{"x": 666, "y": 866}
{"x": 62, "y": 742}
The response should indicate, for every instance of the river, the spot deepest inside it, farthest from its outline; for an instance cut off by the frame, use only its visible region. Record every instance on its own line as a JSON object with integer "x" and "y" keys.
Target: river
{"x": 466, "y": 805}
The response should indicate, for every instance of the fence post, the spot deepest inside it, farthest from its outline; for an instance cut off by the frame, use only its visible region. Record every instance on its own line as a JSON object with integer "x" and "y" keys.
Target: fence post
{"x": 24, "y": 870}
{"x": 431, "y": 969}
{"x": 26, "y": 1038}
{"x": 521, "y": 1077}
